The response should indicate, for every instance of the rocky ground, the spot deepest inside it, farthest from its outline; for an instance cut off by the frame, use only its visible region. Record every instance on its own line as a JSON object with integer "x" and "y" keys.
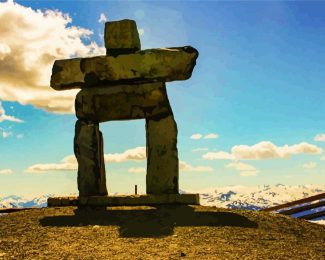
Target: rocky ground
{"x": 166, "y": 232}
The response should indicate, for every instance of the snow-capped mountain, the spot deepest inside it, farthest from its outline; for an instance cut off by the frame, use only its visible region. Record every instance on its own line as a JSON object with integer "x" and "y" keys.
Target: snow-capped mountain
{"x": 14, "y": 201}
{"x": 234, "y": 197}
{"x": 255, "y": 198}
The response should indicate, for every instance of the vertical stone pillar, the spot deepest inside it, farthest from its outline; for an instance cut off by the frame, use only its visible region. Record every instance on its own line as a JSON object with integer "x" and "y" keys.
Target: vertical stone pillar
{"x": 88, "y": 148}
{"x": 162, "y": 164}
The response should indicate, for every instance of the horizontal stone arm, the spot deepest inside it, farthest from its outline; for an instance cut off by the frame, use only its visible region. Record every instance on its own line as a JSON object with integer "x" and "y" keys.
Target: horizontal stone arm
{"x": 150, "y": 65}
{"x": 123, "y": 102}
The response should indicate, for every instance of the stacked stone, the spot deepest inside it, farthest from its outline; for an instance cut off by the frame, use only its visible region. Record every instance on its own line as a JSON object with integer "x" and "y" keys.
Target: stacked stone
{"x": 125, "y": 84}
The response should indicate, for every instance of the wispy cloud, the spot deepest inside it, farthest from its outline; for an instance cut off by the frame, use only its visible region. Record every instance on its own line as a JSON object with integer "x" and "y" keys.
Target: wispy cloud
{"x": 239, "y": 166}
{"x": 69, "y": 163}
{"x": 200, "y": 149}
{"x": 135, "y": 154}
{"x": 102, "y": 18}
{"x": 25, "y": 74}
{"x": 267, "y": 150}
{"x": 183, "y": 166}
{"x": 264, "y": 150}
{"x": 3, "y": 116}
{"x": 319, "y": 138}
{"x": 137, "y": 170}
{"x": 196, "y": 136}
{"x": 6, "y": 134}
{"x": 309, "y": 165}
{"x": 248, "y": 173}
{"x": 245, "y": 169}
{"x": 218, "y": 156}
{"x": 207, "y": 136}
{"x": 6, "y": 171}
{"x": 211, "y": 136}
{"x": 20, "y": 136}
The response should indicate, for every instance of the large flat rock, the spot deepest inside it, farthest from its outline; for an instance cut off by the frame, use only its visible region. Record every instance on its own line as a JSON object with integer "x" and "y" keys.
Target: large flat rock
{"x": 125, "y": 200}
{"x": 122, "y": 102}
{"x": 143, "y": 66}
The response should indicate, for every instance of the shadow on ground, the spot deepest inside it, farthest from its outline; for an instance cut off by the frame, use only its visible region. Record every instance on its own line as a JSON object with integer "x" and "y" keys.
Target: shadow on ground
{"x": 153, "y": 222}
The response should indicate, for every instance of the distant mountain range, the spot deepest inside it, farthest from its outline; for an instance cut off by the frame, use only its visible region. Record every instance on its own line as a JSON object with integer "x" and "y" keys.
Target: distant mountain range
{"x": 234, "y": 197}
{"x": 255, "y": 198}
{"x": 14, "y": 201}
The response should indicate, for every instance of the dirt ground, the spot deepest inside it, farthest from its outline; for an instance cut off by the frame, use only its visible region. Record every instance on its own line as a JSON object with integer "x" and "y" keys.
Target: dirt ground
{"x": 165, "y": 232}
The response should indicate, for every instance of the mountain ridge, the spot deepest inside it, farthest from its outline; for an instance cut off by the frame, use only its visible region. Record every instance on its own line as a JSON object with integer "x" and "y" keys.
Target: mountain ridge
{"x": 233, "y": 197}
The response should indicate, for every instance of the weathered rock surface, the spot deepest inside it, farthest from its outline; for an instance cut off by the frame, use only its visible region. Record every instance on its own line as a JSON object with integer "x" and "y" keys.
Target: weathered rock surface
{"x": 125, "y": 200}
{"x": 121, "y": 37}
{"x": 67, "y": 76}
{"x": 125, "y": 84}
{"x": 122, "y": 102}
{"x": 143, "y": 66}
{"x": 88, "y": 148}
{"x": 162, "y": 162}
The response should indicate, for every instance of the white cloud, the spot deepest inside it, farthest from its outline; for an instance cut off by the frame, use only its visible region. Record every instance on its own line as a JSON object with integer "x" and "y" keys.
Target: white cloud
{"x": 239, "y": 166}
{"x": 264, "y": 150}
{"x": 218, "y": 156}
{"x": 137, "y": 170}
{"x": 309, "y": 165}
{"x": 69, "y": 163}
{"x": 200, "y": 149}
{"x": 20, "y": 136}
{"x": 30, "y": 42}
{"x": 183, "y": 166}
{"x": 245, "y": 169}
{"x": 6, "y": 171}
{"x": 211, "y": 136}
{"x": 319, "y": 138}
{"x": 6, "y": 134}
{"x": 248, "y": 173}
{"x": 141, "y": 31}
{"x": 135, "y": 154}
{"x": 196, "y": 136}
{"x": 48, "y": 167}
{"x": 267, "y": 150}
{"x": 207, "y": 136}
{"x": 322, "y": 158}
{"x": 102, "y": 18}
{"x": 4, "y": 117}
{"x": 70, "y": 159}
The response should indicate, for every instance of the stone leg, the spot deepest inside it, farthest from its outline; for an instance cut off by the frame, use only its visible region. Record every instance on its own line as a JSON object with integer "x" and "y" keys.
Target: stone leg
{"x": 162, "y": 156}
{"x": 88, "y": 148}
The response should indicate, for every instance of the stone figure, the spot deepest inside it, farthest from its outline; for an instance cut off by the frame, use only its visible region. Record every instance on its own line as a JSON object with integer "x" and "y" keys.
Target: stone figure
{"x": 128, "y": 83}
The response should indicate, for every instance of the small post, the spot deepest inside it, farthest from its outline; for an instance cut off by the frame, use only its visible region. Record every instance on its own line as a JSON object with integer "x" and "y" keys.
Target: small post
{"x": 136, "y": 189}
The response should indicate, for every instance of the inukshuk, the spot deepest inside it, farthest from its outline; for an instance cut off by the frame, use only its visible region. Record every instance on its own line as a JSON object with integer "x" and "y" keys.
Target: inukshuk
{"x": 127, "y": 83}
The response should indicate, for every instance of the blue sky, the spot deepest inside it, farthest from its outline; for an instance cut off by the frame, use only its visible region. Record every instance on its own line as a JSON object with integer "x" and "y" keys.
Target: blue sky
{"x": 257, "y": 89}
